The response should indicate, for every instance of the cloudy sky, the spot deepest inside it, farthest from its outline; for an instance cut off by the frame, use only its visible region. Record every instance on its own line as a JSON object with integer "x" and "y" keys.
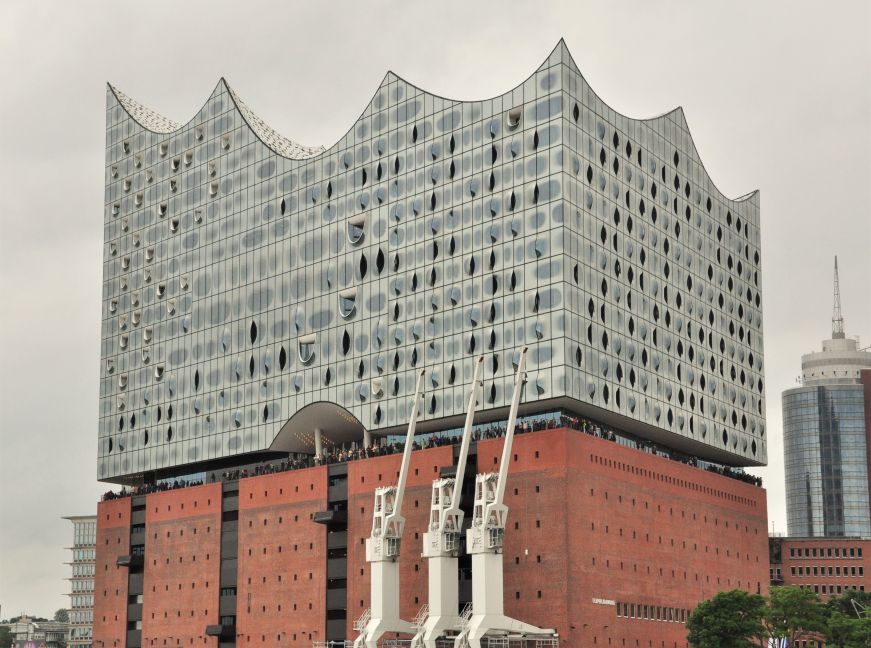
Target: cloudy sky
{"x": 777, "y": 95}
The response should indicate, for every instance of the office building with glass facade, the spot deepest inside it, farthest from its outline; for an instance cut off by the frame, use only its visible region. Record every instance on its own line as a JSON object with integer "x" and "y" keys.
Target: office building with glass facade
{"x": 826, "y": 427}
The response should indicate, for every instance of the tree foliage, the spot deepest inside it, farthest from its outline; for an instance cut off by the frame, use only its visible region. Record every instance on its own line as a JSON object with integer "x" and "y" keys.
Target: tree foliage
{"x": 62, "y": 615}
{"x": 729, "y": 620}
{"x": 848, "y": 631}
{"x": 844, "y": 627}
{"x": 843, "y": 603}
{"x": 5, "y": 637}
{"x": 737, "y": 619}
{"x": 794, "y": 613}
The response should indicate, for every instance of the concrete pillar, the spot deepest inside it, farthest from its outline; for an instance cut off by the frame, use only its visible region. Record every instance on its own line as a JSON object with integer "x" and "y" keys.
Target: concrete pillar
{"x": 319, "y": 444}
{"x": 367, "y": 439}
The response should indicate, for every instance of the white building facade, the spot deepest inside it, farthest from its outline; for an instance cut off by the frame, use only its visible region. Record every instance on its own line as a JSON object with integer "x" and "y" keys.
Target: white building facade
{"x": 81, "y": 609}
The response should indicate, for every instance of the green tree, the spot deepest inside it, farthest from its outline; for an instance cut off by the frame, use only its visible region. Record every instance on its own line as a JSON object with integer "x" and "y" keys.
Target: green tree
{"x": 848, "y": 631}
{"x": 845, "y": 628}
{"x": 729, "y": 620}
{"x": 5, "y": 637}
{"x": 62, "y": 615}
{"x": 794, "y": 613}
{"x": 843, "y": 603}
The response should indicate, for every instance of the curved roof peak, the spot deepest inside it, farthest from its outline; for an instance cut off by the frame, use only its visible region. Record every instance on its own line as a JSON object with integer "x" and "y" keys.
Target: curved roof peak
{"x": 155, "y": 122}
{"x": 268, "y": 135}
{"x": 146, "y": 117}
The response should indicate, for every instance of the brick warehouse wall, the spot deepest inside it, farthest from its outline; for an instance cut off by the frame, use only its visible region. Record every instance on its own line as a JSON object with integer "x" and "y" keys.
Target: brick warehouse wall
{"x": 182, "y": 566}
{"x": 637, "y": 528}
{"x": 591, "y": 523}
{"x": 646, "y": 530}
{"x": 282, "y": 559}
{"x": 110, "y": 580}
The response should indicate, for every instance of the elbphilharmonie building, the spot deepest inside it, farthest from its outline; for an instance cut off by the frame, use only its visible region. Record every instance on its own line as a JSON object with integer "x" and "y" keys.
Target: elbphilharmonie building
{"x": 268, "y": 309}
{"x": 256, "y": 291}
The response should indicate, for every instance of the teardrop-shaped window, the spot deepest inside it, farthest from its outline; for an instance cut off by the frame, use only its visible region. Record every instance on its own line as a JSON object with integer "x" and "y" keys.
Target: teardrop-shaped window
{"x": 396, "y": 164}
{"x": 414, "y": 134}
{"x": 253, "y": 332}
{"x": 452, "y": 144}
{"x": 452, "y": 246}
{"x": 535, "y": 140}
{"x": 536, "y": 302}
{"x": 364, "y": 266}
{"x": 579, "y": 356}
{"x": 197, "y": 380}
{"x": 513, "y": 281}
{"x": 328, "y": 376}
{"x": 346, "y": 343}
{"x": 330, "y": 188}
{"x": 512, "y": 202}
{"x": 282, "y": 358}
{"x": 251, "y": 366}
{"x": 379, "y": 171}
{"x": 364, "y": 177}
{"x": 283, "y": 206}
{"x": 379, "y": 261}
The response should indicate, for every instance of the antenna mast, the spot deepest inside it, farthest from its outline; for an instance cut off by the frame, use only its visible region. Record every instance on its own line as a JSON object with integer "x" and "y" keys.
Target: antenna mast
{"x": 837, "y": 318}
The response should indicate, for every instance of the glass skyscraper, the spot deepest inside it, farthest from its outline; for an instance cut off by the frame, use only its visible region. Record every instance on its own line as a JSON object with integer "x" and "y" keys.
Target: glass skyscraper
{"x": 825, "y": 441}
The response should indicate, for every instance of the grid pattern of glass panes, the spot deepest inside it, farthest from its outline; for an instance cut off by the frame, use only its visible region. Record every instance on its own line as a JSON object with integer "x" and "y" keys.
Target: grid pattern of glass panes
{"x": 246, "y": 277}
{"x": 826, "y": 461}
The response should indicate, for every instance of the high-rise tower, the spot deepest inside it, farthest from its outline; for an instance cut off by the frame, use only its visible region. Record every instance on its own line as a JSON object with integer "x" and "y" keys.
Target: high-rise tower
{"x": 826, "y": 440}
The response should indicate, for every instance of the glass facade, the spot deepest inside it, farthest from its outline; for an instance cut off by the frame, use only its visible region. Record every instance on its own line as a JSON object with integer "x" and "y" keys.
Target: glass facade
{"x": 247, "y": 278}
{"x": 826, "y": 461}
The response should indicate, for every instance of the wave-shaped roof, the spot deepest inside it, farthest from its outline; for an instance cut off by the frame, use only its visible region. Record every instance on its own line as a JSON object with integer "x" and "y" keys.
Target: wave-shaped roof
{"x": 146, "y": 117}
{"x": 290, "y": 149}
{"x": 269, "y": 136}
{"x": 157, "y": 123}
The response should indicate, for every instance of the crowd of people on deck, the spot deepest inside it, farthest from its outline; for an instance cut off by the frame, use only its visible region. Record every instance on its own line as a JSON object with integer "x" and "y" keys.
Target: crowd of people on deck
{"x": 436, "y": 439}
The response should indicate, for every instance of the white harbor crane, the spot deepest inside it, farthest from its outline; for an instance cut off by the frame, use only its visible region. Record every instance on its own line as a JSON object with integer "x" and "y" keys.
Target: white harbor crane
{"x": 484, "y": 541}
{"x": 441, "y": 541}
{"x": 383, "y": 548}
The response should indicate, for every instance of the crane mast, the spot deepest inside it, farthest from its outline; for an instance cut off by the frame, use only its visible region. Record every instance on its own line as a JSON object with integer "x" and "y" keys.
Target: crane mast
{"x": 484, "y": 541}
{"x": 383, "y": 548}
{"x": 441, "y": 540}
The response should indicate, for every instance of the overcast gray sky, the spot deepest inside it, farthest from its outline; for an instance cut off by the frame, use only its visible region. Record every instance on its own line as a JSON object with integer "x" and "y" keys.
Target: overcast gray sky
{"x": 777, "y": 95}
